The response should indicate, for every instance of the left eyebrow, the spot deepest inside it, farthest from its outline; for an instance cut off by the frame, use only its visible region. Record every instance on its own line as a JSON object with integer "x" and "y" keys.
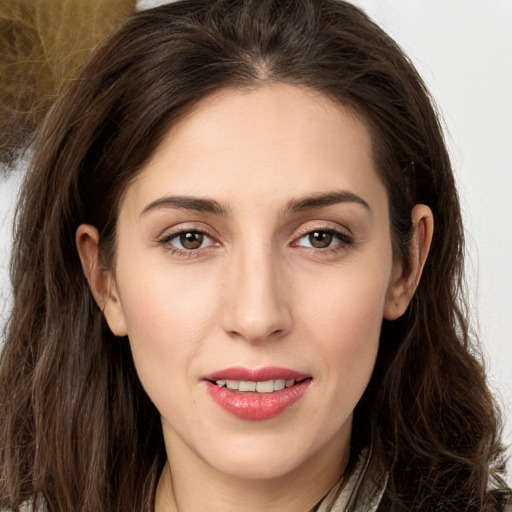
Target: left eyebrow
{"x": 321, "y": 200}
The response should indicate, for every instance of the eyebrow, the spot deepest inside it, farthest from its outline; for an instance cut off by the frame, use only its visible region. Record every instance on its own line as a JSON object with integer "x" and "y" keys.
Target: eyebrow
{"x": 187, "y": 203}
{"x": 328, "y": 199}
{"x": 294, "y": 206}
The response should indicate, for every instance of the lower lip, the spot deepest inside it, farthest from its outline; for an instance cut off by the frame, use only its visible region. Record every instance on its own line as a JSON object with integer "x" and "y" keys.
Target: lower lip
{"x": 257, "y": 406}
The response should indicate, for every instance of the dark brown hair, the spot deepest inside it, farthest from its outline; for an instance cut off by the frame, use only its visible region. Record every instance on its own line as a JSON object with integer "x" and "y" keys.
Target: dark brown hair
{"x": 77, "y": 429}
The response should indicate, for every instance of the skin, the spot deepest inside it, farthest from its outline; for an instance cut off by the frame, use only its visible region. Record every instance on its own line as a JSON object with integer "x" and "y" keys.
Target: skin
{"x": 256, "y": 293}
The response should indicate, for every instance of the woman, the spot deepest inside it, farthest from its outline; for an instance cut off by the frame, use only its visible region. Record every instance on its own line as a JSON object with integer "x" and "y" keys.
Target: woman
{"x": 217, "y": 293}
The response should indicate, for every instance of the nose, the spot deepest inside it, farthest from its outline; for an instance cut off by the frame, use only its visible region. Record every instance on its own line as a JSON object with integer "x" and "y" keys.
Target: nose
{"x": 257, "y": 300}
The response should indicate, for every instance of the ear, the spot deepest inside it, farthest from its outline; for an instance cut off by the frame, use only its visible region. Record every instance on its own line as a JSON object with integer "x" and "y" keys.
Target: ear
{"x": 101, "y": 282}
{"x": 403, "y": 284}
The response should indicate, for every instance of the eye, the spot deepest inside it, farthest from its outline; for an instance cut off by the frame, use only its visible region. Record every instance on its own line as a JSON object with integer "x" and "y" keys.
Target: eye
{"x": 187, "y": 240}
{"x": 324, "y": 238}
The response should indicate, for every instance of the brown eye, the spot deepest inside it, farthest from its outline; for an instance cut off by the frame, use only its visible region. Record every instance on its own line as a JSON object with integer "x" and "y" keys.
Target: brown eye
{"x": 191, "y": 239}
{"x": 331, "y": 239}
{"x": 185, "y": 242}
{"x": 320, "y": 239}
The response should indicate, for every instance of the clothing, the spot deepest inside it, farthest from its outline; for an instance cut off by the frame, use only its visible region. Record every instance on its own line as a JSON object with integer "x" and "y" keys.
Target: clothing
{"x": 352, "y": 496}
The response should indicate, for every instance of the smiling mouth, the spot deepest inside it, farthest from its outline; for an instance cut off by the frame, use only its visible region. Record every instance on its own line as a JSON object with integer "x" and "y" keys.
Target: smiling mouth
{"x": 257, "y": 394}
{"x": 266, "y": 386}
{"x": 257, "y": 400}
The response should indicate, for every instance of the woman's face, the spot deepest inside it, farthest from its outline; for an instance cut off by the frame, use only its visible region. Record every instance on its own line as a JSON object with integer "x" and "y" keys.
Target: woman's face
{"x": 253, "y": 270}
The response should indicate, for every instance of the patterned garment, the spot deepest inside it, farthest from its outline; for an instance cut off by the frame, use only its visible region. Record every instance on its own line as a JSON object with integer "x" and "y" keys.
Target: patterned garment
{"x": 352, "y": 496}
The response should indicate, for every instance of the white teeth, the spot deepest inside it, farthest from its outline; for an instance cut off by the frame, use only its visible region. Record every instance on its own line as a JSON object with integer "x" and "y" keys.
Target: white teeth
{"x": 266, "y": 386}
{"x": 246, "y": 386}
{"x": 280, "y": 384}
{"x": 232, "y": 384}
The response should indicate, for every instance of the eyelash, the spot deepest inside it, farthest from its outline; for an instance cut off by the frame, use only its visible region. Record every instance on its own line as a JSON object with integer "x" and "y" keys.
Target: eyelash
{"x": 166, "y": 240}
{"x": 344, "y": 240}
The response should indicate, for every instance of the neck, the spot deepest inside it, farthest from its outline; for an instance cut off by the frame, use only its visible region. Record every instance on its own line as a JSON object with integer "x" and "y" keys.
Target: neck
{"x": 186, "y": 487}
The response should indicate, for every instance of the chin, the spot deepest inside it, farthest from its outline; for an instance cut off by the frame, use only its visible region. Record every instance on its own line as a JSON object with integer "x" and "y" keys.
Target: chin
{"x": 269, "y": 467}
{"x": 262, "y": 457}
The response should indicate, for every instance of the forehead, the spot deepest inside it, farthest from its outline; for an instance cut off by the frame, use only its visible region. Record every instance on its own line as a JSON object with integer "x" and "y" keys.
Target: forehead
{"x": 245, "y": 144}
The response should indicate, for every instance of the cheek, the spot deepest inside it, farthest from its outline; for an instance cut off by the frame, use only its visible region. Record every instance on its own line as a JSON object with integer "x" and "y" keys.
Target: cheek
{"x": 343, "y": 314}
{"x": 168, "y": 315}
{"x": 346, "y": 304}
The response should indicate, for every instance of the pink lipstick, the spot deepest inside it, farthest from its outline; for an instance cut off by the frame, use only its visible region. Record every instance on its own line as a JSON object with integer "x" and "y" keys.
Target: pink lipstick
{"x": 256, "y": 395}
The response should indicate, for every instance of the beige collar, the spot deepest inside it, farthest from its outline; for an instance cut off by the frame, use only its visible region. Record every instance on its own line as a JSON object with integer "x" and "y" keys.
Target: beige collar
{"x": 353, "y": 495}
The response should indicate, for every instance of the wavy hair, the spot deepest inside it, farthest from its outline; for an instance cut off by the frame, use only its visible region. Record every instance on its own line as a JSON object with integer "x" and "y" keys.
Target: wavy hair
{"x": 78, "y": 432}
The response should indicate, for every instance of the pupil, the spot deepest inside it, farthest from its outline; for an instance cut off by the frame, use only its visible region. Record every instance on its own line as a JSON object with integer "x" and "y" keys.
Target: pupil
{"x": 191, "y": 240}
{"x": 320, "y": 239}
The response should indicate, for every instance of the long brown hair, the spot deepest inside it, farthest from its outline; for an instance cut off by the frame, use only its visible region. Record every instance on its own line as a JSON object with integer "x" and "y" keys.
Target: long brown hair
{"x": 78, "y": 432}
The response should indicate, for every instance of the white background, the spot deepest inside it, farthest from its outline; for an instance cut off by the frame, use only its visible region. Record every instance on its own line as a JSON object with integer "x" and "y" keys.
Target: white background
{"x": 463, "y": 49}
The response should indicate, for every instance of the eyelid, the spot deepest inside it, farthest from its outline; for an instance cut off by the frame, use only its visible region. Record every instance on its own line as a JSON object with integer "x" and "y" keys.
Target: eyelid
{"x": 176, "y": 234}
{"x": 186, "y": 227}
{"x": 308, "y": 227}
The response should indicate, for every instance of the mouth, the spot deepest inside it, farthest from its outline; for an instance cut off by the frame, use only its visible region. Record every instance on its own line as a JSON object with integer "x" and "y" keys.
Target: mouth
{"x": 257, "y": 395}
{"x": 265, "y": 386}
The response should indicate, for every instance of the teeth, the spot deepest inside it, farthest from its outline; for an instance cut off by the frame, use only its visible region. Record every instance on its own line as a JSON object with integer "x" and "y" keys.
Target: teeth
{"x": 232, "y": 384}
{"x": 246, "y": 386}
{"x": 280, "y": 384}
{"x": 266, "y": 386}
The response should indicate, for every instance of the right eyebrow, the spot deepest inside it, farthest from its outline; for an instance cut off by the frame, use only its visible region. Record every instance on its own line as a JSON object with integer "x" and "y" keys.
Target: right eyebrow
{"x": 197, "y": 204}
{"x": 327, "y": 199}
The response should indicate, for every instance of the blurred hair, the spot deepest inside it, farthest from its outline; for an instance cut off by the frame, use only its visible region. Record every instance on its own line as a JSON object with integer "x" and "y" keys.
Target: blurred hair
{"x": 77, "y": 429}
{"x": 43, "y": 43}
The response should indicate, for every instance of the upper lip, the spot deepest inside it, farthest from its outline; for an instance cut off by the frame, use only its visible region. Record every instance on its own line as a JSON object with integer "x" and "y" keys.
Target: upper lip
{"x": 256, "y": 375}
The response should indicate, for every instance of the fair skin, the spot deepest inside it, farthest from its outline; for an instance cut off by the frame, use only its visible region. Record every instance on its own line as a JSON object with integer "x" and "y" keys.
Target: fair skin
{"x": 256, "y": 236}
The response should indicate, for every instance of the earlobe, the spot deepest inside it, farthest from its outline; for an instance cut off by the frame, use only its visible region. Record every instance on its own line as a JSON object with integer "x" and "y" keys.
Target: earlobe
{"x": 405, "y": 279}
{"x": 100, "y": 280}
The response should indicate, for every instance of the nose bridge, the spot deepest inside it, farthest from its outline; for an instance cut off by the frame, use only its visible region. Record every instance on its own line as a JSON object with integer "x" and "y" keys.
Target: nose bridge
{"x": 256, "y": 307}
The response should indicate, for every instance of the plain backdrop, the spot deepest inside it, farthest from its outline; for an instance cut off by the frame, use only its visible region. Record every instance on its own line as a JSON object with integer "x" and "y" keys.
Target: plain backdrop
{"x": 463, "y": 50}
